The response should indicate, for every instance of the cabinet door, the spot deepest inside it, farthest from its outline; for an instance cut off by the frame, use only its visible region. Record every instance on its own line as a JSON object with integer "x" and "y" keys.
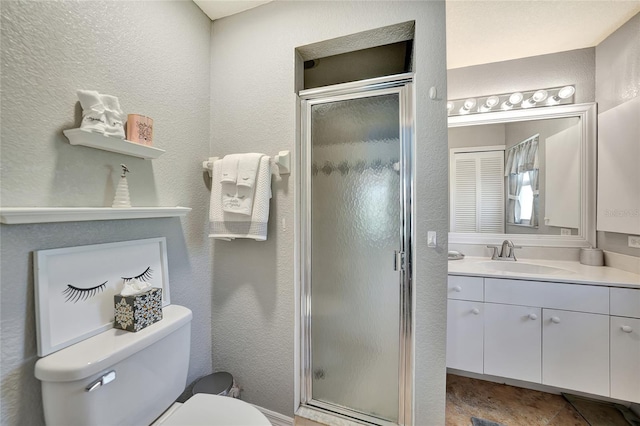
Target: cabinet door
{"x": 625, "y": 359}
{"x": 513, "y": 342}
{"x": 575, "y": 351}
{"x": 464, "y": 335}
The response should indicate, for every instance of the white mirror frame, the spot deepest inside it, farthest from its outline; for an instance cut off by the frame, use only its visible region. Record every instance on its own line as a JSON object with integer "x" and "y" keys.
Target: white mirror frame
{"x": 587, "y": 232}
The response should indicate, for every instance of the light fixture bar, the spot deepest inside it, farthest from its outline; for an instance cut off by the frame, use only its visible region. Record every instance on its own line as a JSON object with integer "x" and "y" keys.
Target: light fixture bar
{"x": 515, "y": 100}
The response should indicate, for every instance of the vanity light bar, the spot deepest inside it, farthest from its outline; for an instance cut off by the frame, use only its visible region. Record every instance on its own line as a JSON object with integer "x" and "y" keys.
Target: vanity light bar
{"x": 508, "y": 101}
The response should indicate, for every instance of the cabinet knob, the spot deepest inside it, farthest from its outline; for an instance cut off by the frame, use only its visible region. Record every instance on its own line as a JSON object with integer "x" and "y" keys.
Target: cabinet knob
{"x": 475, "y": 311}
{"x": 457, "y": 288}
{"x": 626, "y": 329}
{"x": 533, "y": 317}
{"x": 555, "y": 320}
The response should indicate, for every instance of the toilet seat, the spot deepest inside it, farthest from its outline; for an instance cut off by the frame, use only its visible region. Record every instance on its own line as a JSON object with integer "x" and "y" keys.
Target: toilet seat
{"x": 214, "y": 410}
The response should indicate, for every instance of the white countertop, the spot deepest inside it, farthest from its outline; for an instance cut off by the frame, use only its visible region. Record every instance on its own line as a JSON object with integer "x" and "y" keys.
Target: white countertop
{"x": 570, "y": 272}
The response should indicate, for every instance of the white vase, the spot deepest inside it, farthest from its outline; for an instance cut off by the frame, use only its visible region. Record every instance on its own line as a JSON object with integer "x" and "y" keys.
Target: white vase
{"x": 121, "y": 200}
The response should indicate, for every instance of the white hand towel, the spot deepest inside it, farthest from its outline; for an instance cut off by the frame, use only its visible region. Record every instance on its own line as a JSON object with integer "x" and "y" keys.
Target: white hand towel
{"x": 228, "y": 226}
{"x": 247, "y": 169}
{"x": 229, "y": 171}
{"x": 237, "y": 198}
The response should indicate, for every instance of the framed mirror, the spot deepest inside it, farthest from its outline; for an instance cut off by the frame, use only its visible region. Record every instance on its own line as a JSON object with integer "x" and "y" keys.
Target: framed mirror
{"x": 527, "y": 175}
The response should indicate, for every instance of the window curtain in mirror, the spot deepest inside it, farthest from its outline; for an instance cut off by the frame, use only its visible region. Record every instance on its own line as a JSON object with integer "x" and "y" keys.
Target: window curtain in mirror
{"x": 533, "y": 178}
{"x": 522, "y": 158}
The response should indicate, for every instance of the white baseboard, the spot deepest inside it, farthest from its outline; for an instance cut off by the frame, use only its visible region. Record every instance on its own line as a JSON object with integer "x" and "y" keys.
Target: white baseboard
{"x": 276, "y": 419}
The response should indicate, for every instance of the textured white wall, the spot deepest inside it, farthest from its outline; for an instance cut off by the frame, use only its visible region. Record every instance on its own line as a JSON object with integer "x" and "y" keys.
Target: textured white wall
{"x": 254, "y": 107}
{"x": 618, "y": 66}
{"x": 618, "y": 81}
{"x": 155, "y": 57}
{"x": 557, "y": 69}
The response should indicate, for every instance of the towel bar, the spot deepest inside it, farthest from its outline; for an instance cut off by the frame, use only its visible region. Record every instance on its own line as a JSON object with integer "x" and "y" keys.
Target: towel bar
{"x": 282, "y": 160}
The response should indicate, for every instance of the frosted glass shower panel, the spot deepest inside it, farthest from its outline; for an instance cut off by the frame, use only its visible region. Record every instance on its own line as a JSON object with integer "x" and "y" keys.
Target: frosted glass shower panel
{"x": 355, "y": 229}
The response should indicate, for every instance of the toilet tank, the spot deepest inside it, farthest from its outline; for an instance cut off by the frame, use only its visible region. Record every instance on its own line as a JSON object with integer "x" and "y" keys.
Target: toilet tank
{"x": 150, "y": 369}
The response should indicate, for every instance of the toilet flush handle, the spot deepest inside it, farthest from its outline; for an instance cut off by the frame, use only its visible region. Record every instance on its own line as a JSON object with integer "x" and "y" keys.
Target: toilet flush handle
{"x": 107, "y": 378}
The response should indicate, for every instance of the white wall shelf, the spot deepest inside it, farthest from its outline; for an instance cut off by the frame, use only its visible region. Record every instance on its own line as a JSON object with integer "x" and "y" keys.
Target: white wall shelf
{"x": 22, "y": 215}
{"x": 110, "y": 143}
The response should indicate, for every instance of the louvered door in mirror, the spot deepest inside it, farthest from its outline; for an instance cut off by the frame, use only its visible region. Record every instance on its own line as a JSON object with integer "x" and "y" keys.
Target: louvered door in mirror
{"x": 477, "y": 191}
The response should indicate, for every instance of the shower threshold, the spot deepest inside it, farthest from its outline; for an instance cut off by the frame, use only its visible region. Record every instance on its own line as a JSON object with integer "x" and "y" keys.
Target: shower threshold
{"x": 338, "y": 416}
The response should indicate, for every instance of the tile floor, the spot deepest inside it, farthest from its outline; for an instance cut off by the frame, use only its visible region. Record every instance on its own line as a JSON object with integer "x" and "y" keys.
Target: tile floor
{"x": 505, "y": 404}
{"x": 508, "y": 405}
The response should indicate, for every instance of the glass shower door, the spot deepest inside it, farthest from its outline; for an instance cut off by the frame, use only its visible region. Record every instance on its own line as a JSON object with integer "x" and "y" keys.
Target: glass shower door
{"x": 356, "y": 221}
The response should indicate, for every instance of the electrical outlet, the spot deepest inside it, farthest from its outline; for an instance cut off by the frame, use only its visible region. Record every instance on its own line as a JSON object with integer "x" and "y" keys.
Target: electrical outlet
{"x": 634, "y": 241}
{"x": 565, "y": 231}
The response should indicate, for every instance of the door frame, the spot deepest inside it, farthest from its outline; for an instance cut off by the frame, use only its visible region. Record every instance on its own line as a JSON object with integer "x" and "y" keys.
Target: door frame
{"x": 402, "y": 85}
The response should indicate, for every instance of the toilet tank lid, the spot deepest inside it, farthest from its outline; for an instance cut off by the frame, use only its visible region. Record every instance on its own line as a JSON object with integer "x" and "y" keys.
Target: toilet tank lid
{"x": 99, "y": 352}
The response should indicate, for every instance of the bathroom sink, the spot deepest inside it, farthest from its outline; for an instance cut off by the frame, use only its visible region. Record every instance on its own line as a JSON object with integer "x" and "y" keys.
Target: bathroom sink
{"x": 523, "y": 268}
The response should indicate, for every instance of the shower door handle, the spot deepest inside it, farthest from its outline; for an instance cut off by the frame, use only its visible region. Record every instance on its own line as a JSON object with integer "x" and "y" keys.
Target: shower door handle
{"x": 398, "y": 260}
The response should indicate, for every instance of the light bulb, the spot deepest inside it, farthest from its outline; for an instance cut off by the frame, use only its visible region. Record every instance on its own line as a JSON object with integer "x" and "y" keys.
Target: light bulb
{"x": 492, "y": 101}
{"x": 565, "y": 92}
{"x": 469, "y": 104}
{"x": 515, "y": 98}
{"x": 539, "y": 96}
{"x": 489, "y": 103}
{"x": 449, "y": 107}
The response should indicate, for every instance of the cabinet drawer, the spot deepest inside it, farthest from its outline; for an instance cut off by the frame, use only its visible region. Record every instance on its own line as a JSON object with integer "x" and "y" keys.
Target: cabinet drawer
{"x": 570, "y": 297}
{"x": 465, "y": 288}
{"x": 625, "y": 302}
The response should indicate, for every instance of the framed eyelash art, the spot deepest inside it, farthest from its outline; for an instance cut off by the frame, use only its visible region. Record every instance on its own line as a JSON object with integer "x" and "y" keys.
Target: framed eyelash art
{"x": 74, "y": 287}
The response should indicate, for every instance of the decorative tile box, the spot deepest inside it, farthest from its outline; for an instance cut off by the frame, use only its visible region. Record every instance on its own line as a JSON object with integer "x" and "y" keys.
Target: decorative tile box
{"x": 133, "y": 313}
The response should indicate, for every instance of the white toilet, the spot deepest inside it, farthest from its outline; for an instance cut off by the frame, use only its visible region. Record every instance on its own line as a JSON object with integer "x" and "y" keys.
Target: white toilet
{"x": 123, "y": 378}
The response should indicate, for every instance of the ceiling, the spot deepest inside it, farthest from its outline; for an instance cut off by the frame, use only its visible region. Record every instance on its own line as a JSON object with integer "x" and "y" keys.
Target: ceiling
{"x": 484, "y": 31}
{"x": 481, "y": 31}
{"x": 216, "y": 9}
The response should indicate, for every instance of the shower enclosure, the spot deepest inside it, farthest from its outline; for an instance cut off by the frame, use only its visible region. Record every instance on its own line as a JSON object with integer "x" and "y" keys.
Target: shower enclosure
{"x": 356, "y": 249}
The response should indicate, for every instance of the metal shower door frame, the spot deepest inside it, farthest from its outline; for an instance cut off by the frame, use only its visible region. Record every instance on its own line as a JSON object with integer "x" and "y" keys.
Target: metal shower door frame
{"x": 402, "y": 85}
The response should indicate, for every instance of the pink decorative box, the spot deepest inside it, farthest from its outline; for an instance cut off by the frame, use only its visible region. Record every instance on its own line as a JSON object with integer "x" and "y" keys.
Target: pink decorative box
{"x": 140, "y": 129}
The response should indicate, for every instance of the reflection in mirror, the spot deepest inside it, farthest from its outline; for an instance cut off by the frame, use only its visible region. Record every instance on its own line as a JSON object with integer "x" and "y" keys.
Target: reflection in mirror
{"x": 517, "y": 177}
{"x": 528, "y": 176}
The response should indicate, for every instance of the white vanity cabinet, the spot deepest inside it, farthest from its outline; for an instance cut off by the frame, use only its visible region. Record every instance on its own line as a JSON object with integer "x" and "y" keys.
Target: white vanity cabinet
{"x": 625, "y": 344}
{"x": 513, "y": 342}
{"x": 572, "y": 336}
{"x": 575, "y": 351}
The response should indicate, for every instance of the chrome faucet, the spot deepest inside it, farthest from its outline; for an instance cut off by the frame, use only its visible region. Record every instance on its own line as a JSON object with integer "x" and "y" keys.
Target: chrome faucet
{"x": 506, "y": 252}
